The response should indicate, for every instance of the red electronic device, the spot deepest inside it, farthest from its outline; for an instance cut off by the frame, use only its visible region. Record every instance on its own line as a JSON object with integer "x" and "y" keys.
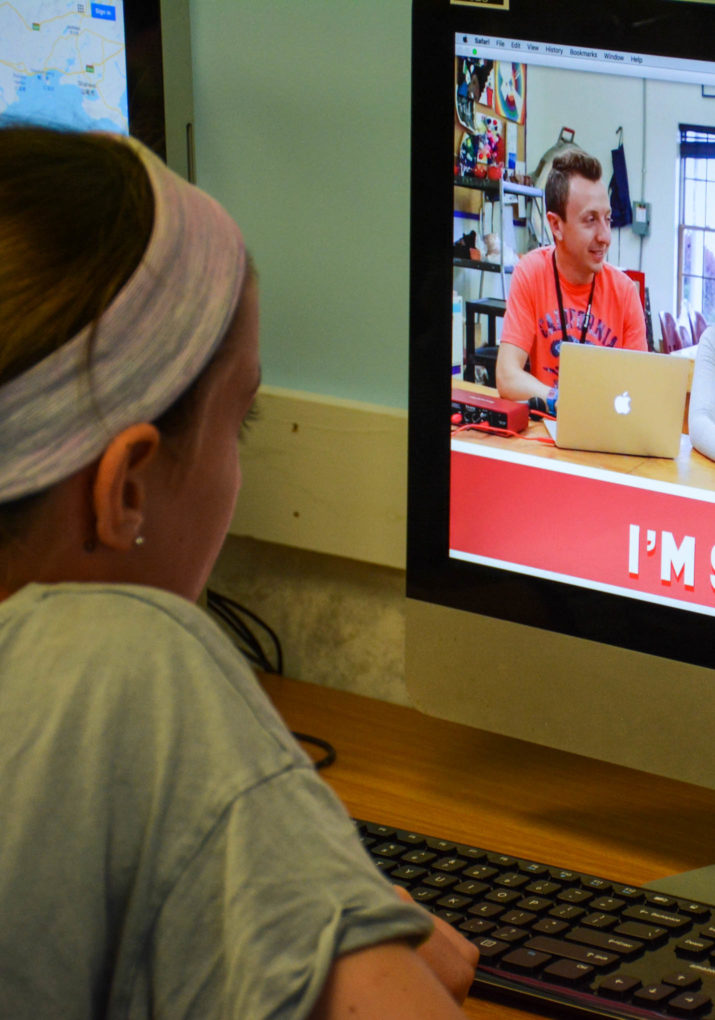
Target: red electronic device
{"x": 482, "y": 409}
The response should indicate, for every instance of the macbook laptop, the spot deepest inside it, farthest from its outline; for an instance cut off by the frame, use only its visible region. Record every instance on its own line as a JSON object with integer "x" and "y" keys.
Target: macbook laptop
{"x": 620, "y": 401}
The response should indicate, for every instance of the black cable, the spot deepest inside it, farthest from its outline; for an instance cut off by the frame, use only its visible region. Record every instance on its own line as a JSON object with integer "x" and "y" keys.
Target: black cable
{"x": 232, "y": 613}
{"x": 330, "y": 752}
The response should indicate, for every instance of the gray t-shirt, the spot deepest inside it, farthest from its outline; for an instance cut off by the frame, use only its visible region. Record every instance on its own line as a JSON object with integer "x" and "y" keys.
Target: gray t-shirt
{"x": 167, "y": 850}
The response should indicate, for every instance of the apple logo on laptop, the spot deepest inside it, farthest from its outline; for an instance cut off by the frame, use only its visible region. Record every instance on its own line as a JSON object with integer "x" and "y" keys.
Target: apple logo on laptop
{"x": 622, "y": 403}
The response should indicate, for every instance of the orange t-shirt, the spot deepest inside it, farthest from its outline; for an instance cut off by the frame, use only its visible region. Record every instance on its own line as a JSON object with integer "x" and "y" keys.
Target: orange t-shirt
{"x": 532, "y": 321}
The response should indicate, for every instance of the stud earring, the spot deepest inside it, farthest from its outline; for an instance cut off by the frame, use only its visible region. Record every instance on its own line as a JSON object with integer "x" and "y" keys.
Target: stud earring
{"x": 139, "y": 541}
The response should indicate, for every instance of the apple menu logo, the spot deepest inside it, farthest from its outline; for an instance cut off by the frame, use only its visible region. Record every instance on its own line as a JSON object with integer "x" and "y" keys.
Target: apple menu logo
{"x": 622, "y": 403}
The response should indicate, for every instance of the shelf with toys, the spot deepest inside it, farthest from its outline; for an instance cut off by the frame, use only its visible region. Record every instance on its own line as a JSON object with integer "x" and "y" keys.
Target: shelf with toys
{"x": 494, "y": 260}
{"x": 494, "y": 191}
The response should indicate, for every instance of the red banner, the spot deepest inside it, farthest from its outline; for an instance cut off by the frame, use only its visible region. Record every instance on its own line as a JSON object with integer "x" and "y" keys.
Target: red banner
{"x": 595, "y": 528}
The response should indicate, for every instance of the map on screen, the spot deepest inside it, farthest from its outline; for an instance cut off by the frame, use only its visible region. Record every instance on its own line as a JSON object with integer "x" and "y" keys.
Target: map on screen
{"x": 63, "y": 64}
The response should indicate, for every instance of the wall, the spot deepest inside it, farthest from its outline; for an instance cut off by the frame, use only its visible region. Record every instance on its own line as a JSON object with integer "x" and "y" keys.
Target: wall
{"x": 341, "y": 623}
{"x": 302, "y": 131}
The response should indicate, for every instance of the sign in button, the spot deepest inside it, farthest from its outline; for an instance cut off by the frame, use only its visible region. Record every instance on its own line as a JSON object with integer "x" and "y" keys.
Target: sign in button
{"x": 105, "y": 12}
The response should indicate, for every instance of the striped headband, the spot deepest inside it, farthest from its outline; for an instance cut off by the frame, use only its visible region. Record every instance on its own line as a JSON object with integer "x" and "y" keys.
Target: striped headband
{"x": 151, "y": 343}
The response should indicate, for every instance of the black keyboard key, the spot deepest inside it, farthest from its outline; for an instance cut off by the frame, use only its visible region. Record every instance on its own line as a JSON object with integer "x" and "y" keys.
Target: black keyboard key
{"x": 454, "y": 902}
{"x": 618, "y": 986}
{"x": 612, "y": 943}
{"x": 409, "y": 872}
{"x": 567, "y": 912}
{"x": 661, "y": 900}
{"x": 690, "y": 1004}
{"x": 645, "y": 932}
{"x": 388, "y": 850}
{"x": 424, "y": 895}
{"x": 534, "y": 904}
{"x": 544, "y": 887}
{"x": 533, "y": 869}
{"x": 419, "y": 856}
{"x": 476, "y": 926}
{"x": 383, "y": 831}
{"x": 384, "y": 865}
{"x": 471, "y": 888}
{"x": 696, "y": 948}
{"x": 490, "y": 948}
{"x": 608, "y": 904}
{"x": 440, "y": 880}
{"x": 568, "y": 972}
{"x": 574, "y": 896}
{"x": 572, "y": 951}
{"x": 502, "y": 860}
{"x": 472, "y": 853}
{"x": 652, "y": 995}
{"x": 413, "y": 839}
{"x": 596, "y": 884}
{"x": 481, "y": 872}
{"x": 449, "y": 864}
{"x": 486, "y": 909}
{"x": 511, "y": 880}
{"x": 509, "y": 933}
{"x": 654, "y": 915}
{"x": 564, "y": 876}
{"x": 696, "y": 910}
{"x": 521, "y": 918}
{"x": 550, "y": 926}
{"x": 440, "y": 845}
{"x": 527, "y": 961}
{"x": 628, "y": 892}
{"x": 683, "y": 979}
{"x": 600, "y": 921}
{"x": 503, "y": 896}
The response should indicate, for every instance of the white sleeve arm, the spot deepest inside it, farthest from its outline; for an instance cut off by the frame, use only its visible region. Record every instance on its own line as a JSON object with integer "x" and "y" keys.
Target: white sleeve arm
{"x": 701, "y": 418}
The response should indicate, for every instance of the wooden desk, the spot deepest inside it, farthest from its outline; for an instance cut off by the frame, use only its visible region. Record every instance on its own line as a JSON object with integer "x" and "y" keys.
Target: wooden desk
{"x": 397, "y": 766}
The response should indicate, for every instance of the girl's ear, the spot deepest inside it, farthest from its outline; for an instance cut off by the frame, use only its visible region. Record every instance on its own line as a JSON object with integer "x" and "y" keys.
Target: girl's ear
{"x": 119, "y": 492}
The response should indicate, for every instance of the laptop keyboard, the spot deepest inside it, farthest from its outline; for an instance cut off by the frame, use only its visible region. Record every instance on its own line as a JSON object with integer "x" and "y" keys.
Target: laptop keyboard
{"x": 555, "y": 940}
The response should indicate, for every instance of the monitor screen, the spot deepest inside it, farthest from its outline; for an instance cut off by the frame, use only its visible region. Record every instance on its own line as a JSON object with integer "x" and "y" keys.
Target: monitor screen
{"x": 83, "y": 66}
{"x": 607, "y": 547}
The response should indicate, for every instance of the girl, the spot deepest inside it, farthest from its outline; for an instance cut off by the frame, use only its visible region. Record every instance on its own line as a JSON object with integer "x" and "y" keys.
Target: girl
{"x": 167, "y": 850}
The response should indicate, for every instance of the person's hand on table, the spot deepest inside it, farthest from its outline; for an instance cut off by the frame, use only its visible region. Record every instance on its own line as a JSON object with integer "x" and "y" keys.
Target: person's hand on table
{"x": 448, "y": 954}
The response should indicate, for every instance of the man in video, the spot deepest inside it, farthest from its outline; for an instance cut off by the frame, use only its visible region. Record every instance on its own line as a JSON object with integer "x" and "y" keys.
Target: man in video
{"x": 566, "y": 291}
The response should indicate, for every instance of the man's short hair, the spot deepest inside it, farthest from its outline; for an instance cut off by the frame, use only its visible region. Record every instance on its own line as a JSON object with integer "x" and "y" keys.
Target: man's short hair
{"x": 573, "y": 163}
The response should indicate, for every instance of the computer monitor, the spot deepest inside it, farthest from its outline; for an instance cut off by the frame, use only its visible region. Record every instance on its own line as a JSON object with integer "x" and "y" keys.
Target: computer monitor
{"x": 569, "y": 602}
{"x": 122, "y": 66}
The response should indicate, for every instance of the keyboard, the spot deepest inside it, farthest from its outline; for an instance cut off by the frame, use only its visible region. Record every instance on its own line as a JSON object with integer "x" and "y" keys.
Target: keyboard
{"x": 555, "y": 941}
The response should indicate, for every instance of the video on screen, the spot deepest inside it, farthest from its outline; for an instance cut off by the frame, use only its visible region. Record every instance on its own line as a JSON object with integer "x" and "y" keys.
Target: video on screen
{"x": 641, "y": 279}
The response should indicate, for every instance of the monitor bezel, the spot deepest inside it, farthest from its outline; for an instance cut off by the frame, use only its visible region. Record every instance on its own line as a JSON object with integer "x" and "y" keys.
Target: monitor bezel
{"x": 145, "y": 73}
